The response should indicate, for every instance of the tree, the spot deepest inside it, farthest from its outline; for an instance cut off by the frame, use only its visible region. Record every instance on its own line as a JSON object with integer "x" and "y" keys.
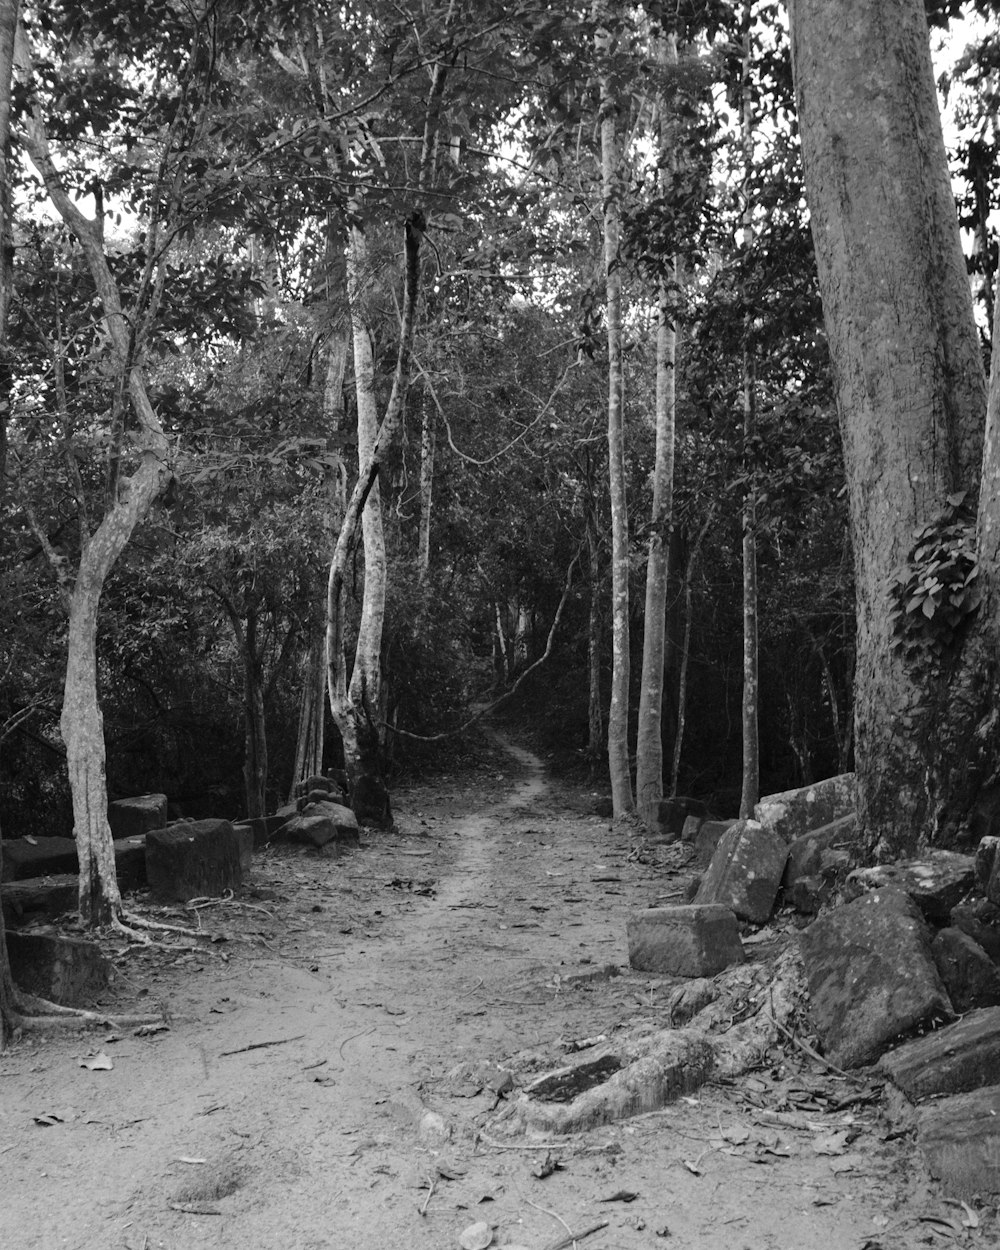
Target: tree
{"x": 911, "y": 398}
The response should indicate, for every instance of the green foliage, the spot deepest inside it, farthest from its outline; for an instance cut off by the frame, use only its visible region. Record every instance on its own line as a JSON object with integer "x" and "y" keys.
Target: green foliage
{"x": 936, "y": 592}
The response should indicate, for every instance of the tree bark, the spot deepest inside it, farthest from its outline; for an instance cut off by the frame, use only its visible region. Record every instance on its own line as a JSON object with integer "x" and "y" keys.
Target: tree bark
{"x": 8, "y": 30}
{"x": 428, "y": 441}
{"x": 689, "y": 567}
{"x": 649, "y": 735}
{"x": 595, "y": 715}
{"x": 349, "y": 717}
{"x": 618, "y": 755}
{"x": 750, "y": 789}
{"x": 910, "y": 395}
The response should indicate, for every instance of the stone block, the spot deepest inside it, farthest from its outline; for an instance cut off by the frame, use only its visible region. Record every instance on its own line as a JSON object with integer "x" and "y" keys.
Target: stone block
{"x": 986, "y": 861}
{"x": 871, "y": 976}
{"x": 818, "y": 862}
{"x": 794, "y": 812}
{"x": 960, "y": 1138}
{"x": 685, "y": 941}
{"x": 937, "y": 881}
{"x": 38, "y": 897}
{"x": 199, "y": 858}
{"x": 40, "y": 857}
{"x": 326, "y": 784}
{"x": 745, "y": 872}
{"x": 257, "y": 825}
{"x": 130, "y": 863}
{"x": 309, "y": 830}
{"x": 952, "y": 1060}
{"x": 66, "y": 970}
{"x": 980, "y": 919}
{"x": 673, "y": 812}
{"x": 344, "y": 821}
{"x": 691, "y": 826}
{"x": 971, "y": 978}
{"x": 130, "y": 817}
{"x": 708, "y": 838}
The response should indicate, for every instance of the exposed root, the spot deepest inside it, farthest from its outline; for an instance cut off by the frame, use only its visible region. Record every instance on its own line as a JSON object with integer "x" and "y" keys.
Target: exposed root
{"x": 128, "y": 922}
{"x": 30, "y": 1014}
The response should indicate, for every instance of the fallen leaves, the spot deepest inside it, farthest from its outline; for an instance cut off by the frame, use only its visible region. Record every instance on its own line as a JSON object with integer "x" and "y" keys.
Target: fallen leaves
{"x": 97, "y": 1063}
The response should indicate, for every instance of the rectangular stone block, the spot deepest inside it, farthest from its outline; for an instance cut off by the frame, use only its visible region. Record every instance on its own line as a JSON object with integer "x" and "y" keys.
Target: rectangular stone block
{"x": 195, "y": 859}
{"x": 745, "y": 872}
{"x": 685, "y": 941}
{"x": 708, "y": 837}
{"x": 130, "y": 817}
{"x": 42, "y": 857}
{"x": 37, "y": 897}
{"x": 952, "y": 1060}
{"x": 65, "y": 970}
{"x": 960, "y": 1138}
{"x": 794, "y": 812}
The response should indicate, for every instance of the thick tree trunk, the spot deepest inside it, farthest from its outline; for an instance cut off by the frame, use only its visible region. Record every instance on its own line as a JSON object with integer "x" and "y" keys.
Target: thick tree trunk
{"x": 618, "y": 755}
{"x": 8, "y": 28}
{"x": 910, "y": 394}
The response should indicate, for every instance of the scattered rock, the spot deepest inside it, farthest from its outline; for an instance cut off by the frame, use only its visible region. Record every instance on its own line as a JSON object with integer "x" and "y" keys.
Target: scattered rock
{"x": 196, "y": 859}
{"x": 794, "y": 812}
{"x": 818, "y": 862}
{"x": 688, "y": 941}
{"x": 971, "y": 978}
{"x": 952, "y": 1060}
{"x": 344, "y": 820}
{"x": 39, "y": 857}
{"x": 980, "y": 919}
{"x": 39, "y": 896}
{"x": 960, "y": 1137}
{"x": 129, "y": 818}
{"x": 258, "y": 830}
{"x": 66, "y": 970}
{"x": 309, "y": 830}
{"x": 871, "y": 976}
{"x": 709, "y": 836}
{"x": 690, "y": 828}
{"x": 936, "y": 882}
{"x": 745, "y": 872}
{"x": 672, "y": 815}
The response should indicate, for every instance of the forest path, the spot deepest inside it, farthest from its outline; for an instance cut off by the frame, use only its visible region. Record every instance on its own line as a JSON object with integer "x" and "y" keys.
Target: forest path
{"x": 325, "y": 1064}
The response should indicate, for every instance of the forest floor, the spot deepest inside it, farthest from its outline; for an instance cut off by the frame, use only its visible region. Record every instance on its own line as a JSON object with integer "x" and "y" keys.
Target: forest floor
{"x": 286, "y": 1106}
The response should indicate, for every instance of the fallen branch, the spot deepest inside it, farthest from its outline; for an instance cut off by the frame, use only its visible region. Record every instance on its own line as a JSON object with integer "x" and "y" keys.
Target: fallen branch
{"x": 281, "y": 1041}
{"x": 814, "y": 1054}
{"x": 573, "y": 1238}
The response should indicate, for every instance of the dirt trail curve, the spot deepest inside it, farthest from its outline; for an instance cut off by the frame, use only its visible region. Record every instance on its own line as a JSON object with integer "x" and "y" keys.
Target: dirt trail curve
{"x": 388, "y": 981}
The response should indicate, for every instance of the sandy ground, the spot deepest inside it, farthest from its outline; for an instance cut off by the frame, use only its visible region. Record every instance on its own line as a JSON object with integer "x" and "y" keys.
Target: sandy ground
{"x": 325, "y": 1078}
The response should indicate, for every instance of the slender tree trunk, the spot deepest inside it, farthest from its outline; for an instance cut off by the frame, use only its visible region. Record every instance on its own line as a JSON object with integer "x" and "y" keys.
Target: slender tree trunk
{"x": 255, "y": 736}
{"x": 911, "y": 400}
{"x": 618, "y": 755}
{"x": 595, "y": 715}
{"x": 351, "y": 721}
{"x": 8, "y": 29}
{"x": 682, "y": 678}
{"x": 649, "y": 736}
{"x": 366, "y": 678}
{"x": 750, "y": 791}
{"x": 428, "y": 439}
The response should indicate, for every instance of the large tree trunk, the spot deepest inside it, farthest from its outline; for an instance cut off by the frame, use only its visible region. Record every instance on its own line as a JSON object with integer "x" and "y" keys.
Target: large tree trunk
{"x": 8, "y": 28}
{"x": 910, "y": 395}
{"x": 595, "y": 714}
{"x": 618, "y": 756}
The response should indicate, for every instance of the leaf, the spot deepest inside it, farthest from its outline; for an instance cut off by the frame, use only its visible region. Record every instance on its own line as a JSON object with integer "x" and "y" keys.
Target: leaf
{"x": 47, "y": 1121}
{"x": 620, "y": 1195}
{"x": 97, "y": 1063}
{"x": 476, "y": 1237}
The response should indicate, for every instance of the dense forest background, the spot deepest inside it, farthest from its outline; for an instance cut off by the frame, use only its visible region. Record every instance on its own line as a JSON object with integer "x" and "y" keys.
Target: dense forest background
{"x": 251, "y": 174}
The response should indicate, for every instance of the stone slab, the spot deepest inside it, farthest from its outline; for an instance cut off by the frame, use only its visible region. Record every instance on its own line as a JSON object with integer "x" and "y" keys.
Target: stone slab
{"x": 344, "y": 820}
{"x": 41, "y": 857}
{"x": 66, "y": 970}
{"x": 818, "y": 862}
{"x": 309, "y": 830}
{"x": 960, "y": 1138}
{"x": 672, "y": 814}
{"x": 709, "y": 836}
{"x": 980, "y": 919}
{"x": 38, "y": 897}
{"x": 693, "y": 940}
{"x": 745, "y": 872}
{"x": 971, "y": 978}
{"x": 690, "y": 828}
{"x": 257, "y": 826}
{"x": 871, "y": 976}
{"x": 794, "y": 812}
{"x": 953, "y": 1060}
{"x": 130, "y": 817}
{"x": 196, "y": 859}
{"x": 937, "y": 881}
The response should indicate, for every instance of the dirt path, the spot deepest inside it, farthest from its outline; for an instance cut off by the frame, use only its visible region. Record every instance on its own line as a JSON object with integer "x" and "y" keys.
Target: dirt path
{"x": 390, "y": 983}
